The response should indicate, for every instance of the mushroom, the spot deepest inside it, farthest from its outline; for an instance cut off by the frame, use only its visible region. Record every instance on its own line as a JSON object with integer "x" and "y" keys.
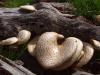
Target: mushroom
{"x": 53, "y": 51}
{"x": 88, "y": 53}
{"x": 9, "y": 41}
{"x": 75, "y": 44}
{"x": 32, "y": 44}
{"x": 22, "y": 37}
{"x": 52, "y": 55}
{"x": 96, "y": 44}
{"x": 28, "y": 8}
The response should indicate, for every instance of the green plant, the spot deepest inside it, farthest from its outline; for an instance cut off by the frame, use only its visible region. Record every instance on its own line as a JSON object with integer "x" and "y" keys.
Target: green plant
{"x": 13, "y": 54}
{"x": 17, "y": 3}
{"x": 88, "y": 8}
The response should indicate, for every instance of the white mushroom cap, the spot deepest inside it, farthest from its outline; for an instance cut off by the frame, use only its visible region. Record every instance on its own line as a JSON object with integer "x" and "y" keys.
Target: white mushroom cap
{"x": 28, "y": 7}
{"x": 9, "y": 41}
{"x": 46, "y": 50}
{"x": 96, "y": 44}
{"x": 31, "y": 45}
{"x": 51, "y": 56}
{"x": 23, "y": 36}
{"x": 74, "y": 44}
{"x": 88, "y": 53}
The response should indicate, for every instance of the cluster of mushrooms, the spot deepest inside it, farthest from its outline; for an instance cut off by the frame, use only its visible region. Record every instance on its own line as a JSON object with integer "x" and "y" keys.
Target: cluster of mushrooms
{"x": 54, "y": 51}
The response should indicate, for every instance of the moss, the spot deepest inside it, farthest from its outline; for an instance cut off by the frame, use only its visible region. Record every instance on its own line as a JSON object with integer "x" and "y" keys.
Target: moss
{"x": 17, "y": 3}
{"x": 88, "y": 8}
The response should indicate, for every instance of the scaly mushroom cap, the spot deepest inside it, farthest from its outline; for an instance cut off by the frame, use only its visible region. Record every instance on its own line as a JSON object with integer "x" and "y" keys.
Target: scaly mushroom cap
{"x": 69, "y": 45}
{"x": 88, "y": 53}
{"x": 46, "y": 50}
{"x": 28, "y": 7}
{"x": 50, "y": 54}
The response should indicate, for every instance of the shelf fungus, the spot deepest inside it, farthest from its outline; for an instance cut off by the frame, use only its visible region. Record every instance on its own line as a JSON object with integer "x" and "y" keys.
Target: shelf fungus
{"x": 54, "y": 51}
{"x": 9, "y": 41}
{"x": 29, "y": 8}
{"x": 96, "y": 44}
{"x": 55, "y": 55}
{"x": 87, "y": 55}
{"x": 22, "y": 37}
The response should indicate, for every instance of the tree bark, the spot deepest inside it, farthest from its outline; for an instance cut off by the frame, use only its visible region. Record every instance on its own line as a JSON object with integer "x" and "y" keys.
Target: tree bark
{"x": 46, "y": 18}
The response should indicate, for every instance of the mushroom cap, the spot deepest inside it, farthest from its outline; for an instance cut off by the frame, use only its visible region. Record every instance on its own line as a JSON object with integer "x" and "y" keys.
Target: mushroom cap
{"x": 88, "y": 53}
{"x": 51, "y": 56}
{"x": 96, "y": 44}
{"x": 73, "y": 44}
{"x": 32, "y": 44}
{"x": 23, "y": 36}
{"x": 9, "y": 41}
{"x": 28, "y": 7}
{"x": 46, "y": 50}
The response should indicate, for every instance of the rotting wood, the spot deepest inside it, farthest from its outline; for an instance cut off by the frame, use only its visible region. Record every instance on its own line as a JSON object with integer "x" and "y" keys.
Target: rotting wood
{"x": 46, "y": 18}
{"x": 10, "y": 68}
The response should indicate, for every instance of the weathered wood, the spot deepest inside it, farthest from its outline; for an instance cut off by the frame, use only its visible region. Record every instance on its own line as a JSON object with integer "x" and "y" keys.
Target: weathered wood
{"x": 64, "y": 7}
{"x": 10, "y": 68}
{"x": 81, "y": 73}
{"x": 46, "y": 18}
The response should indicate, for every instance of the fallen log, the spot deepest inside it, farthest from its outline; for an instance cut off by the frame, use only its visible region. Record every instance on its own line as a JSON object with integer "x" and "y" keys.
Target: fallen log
{"x": 46, "y": 18}
{"x": 8, "y": 67}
